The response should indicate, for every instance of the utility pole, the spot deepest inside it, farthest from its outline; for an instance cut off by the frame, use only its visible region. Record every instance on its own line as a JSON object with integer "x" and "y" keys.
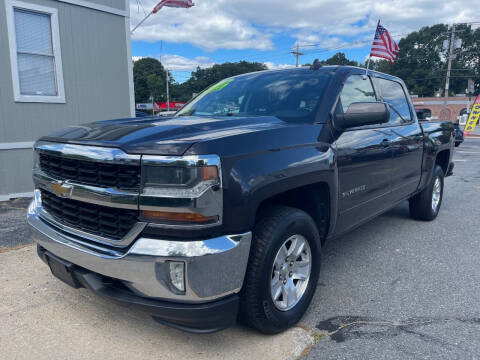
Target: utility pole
{"x": 449, "y": 66}
{"x": 297, "y": 53}
{"x": 470, "y": 91}
{"x": 168, "y": 94}
{"x": 153, "y": 106}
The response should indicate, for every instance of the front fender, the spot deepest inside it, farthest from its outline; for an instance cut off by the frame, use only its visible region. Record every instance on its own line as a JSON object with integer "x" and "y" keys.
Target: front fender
{"x": 254, "y": 178}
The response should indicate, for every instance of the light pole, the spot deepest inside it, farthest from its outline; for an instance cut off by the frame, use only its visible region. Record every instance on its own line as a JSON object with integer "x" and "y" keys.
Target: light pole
{"x": 168, "y": 93}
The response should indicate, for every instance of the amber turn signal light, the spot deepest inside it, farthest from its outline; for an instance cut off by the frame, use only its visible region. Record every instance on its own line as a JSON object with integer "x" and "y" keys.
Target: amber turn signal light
{"x": 178, "y": 217}
{"x": 209, "y": 173}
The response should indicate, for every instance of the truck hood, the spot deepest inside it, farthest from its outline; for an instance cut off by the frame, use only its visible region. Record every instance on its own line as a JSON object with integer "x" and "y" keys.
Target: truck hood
{"x": 162, "y": 136}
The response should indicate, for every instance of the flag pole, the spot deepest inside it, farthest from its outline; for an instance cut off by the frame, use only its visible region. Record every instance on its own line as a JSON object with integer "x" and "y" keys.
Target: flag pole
{"x": 370, "y": 56}
{"x": 161, "y": 4}
{"x": 141, "y": 22}
{"x": 154, "y": 11}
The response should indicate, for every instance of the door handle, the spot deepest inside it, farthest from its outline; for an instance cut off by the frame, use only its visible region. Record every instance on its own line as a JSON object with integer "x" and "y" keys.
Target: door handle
{"x": 385, "y": 143}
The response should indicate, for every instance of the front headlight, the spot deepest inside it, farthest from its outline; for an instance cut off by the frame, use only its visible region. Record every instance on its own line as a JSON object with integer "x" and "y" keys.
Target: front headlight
{"x": 176, "y": 181}
{"x": 181, "y": 191}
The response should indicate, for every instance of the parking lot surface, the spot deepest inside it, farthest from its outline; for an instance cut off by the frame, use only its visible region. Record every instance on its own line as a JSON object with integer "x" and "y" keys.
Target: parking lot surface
{"x": 394, "y": 288}
{"x": 13, "y": 230}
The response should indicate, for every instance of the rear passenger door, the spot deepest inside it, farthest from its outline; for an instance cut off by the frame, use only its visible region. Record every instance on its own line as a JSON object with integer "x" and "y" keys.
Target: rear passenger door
{"x": 406, "y": 141}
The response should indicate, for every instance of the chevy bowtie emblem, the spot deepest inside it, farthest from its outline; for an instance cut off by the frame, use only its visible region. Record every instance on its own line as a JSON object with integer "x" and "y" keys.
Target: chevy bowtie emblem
{"x": 61, "y": 189}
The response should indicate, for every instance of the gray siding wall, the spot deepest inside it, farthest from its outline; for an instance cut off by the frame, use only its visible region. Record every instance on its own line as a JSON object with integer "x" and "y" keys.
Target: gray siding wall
{"x": 15, "y": 173}
{"x": 95, "y": 71}
{"x": 116, "y": 4}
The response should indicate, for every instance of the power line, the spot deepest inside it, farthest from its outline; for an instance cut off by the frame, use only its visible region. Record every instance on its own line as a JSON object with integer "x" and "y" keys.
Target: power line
{"x": 265, "y": 57}
{"x": 441, "y": 77}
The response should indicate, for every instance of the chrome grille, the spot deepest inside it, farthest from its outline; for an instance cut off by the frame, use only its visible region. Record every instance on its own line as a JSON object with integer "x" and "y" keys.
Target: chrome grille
{"x": 120, "y": 176}
{"x": 99, "y": 220}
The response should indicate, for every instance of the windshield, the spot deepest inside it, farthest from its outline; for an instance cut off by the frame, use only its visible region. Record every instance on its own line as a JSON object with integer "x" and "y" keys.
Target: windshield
{"x": 288, "y": 95}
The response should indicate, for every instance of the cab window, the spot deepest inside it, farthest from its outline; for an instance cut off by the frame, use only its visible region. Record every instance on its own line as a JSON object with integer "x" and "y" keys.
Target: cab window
{"x": 357, "y": 88}
{"x": 393, "y": 94}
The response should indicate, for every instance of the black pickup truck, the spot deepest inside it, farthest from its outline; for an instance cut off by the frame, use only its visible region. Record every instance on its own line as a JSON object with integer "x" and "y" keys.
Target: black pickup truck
{"x": 220, "y": 212}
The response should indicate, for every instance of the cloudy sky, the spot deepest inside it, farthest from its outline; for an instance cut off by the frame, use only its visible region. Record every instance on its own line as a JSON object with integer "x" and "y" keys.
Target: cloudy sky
{"x": 215, "y": 31}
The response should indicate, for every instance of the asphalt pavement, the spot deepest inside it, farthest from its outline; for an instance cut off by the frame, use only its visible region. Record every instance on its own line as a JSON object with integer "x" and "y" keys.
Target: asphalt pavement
{"x": 394, "y": 288}
{"x": 397, "y": 288}
{"x": 14, "y": 232}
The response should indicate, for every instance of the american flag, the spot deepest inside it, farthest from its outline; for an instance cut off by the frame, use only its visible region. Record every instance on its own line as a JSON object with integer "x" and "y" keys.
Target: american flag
{"x": 173, "y": 3}
{"x": 383, "y": 45}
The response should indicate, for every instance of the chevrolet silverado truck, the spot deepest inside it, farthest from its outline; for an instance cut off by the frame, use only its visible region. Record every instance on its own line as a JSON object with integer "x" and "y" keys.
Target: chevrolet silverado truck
{"x": 220, "y": 212}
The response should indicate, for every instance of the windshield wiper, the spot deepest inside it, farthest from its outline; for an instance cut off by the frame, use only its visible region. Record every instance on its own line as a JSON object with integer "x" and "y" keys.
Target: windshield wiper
{"x": 224, "y": 114}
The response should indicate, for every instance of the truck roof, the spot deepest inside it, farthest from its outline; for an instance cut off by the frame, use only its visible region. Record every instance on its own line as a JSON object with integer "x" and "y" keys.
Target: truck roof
{"x": 323, "y": 68}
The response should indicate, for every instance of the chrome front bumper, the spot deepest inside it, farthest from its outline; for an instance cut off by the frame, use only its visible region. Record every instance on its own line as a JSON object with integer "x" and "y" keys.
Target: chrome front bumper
{"x": 215, "y": 267}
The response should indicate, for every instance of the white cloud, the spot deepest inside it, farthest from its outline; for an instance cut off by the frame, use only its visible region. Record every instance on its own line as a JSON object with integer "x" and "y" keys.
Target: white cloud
{"x": 272, "y": 66}
{"x": 180, "y": 63}
{"x": 206, "y": 25}
{"x": 242, "y": 24}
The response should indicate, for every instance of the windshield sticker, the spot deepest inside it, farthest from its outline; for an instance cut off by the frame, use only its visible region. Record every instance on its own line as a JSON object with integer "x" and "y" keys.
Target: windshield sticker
{"x": 219, "y": 86}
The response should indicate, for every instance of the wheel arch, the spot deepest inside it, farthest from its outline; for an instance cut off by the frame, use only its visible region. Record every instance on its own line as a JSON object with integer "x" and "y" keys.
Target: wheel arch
{"x": 315, "y": 199}
{"x": 443, "y": 159}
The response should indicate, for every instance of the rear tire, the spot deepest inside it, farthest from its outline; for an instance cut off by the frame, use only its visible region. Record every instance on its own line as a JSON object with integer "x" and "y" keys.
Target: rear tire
{"x": 426, "y": 205}
{"x": 279, "y": 231}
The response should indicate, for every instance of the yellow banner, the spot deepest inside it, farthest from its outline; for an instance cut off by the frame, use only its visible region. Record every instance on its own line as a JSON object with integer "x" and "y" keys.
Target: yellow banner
{"x": 474, "y": 116}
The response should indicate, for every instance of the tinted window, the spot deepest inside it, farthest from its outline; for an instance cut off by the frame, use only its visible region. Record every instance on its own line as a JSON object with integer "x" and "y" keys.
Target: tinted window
{"x": 357, "y": 88}
{"x": 392, "y": 93}
{"x": 288, "y": 95}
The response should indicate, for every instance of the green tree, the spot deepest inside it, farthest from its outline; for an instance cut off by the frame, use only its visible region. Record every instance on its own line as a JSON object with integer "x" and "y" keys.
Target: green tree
{"x": 422, "y": 60}
{"x": 149, "y": 79}
{"x": 203, "y": 78}
{"x": 339, "y": 59}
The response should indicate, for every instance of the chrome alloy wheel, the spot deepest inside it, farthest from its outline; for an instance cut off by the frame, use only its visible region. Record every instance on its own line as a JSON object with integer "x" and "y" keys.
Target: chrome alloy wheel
{"x": 436, "y": 193}
{"x": 290, "y": 272}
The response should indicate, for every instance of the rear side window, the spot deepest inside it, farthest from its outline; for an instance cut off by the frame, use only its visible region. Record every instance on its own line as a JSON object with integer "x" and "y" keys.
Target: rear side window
{"x": 392, "y": 93}
{"x": 357, "y": 88}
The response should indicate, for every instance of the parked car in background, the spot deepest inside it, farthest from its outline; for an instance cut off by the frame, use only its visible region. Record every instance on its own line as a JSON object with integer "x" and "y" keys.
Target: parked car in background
{"x": 458, "y": 134}
{"x": 221, "y": 211}
{"x": 167, "y": 113}
{"x": 139, "y": 113}
{"x": 424, "y": 114}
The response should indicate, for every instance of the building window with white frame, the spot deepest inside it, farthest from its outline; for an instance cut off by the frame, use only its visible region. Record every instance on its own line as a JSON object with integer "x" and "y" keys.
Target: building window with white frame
{"x": 35, "y": 53}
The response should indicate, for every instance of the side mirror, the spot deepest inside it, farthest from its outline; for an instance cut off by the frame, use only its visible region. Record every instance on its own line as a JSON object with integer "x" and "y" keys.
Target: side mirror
{"x": 363, "y": 113}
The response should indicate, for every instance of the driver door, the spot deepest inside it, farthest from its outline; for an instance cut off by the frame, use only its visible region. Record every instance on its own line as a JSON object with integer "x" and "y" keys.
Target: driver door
{"x": 364, "y": 160}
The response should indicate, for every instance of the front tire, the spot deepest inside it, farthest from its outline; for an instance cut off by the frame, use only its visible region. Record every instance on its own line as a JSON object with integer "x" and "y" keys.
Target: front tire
{"x": 426, "y": 205}
{"x": 283, "y": 270}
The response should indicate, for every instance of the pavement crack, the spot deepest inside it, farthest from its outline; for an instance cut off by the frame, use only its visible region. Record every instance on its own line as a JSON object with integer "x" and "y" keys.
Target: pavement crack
{"x": 344, "y": 328}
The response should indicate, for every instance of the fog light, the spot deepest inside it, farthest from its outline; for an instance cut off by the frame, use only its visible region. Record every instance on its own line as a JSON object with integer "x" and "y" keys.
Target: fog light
{"x": 177, "y": 275}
